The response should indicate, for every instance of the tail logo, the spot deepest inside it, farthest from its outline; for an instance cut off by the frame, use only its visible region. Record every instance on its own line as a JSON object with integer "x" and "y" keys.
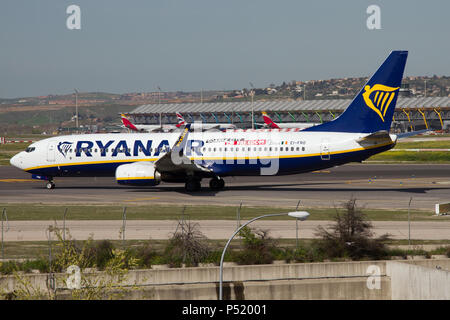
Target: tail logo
{"x": 379, "y": 97}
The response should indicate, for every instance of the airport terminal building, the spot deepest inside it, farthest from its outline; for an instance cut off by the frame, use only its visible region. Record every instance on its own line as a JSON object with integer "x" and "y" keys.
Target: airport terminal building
{"x": 410, "y": 113}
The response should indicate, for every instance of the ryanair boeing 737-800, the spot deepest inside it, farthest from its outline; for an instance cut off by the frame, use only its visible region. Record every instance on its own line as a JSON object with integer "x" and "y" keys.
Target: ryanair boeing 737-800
{"x": 146, "y": 159}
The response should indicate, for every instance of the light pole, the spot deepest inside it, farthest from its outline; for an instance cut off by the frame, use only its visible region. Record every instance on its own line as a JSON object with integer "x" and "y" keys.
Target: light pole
{"x": 252, "y": 93}
{"x": 76, "y": 108}
{"x": 409, "y": 224}
{"x": 300, "y": 215}
{"x": 159, "y": 102}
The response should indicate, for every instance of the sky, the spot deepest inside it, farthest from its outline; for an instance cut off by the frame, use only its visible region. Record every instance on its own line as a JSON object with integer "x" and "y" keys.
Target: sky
{"x": 193, "y": 45}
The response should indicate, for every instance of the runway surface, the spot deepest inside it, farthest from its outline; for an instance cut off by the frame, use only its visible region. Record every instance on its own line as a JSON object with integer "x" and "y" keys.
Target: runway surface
{"x": 384, "y": 186}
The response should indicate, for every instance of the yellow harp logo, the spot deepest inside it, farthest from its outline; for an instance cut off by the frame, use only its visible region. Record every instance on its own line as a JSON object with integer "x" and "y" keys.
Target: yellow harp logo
{"x": 379, "y": 97}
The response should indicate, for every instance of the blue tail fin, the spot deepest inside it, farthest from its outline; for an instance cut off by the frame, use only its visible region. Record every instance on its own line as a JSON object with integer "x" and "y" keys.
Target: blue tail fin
{"x": 373, "y": 108}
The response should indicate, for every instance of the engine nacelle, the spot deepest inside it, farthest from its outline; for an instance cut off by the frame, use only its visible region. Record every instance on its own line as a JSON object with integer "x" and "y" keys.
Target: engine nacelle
{"x": 138, "y": 174}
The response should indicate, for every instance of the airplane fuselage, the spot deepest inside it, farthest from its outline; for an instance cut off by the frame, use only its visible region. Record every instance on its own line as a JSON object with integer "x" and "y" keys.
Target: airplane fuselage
{"x": 234, "y": 152}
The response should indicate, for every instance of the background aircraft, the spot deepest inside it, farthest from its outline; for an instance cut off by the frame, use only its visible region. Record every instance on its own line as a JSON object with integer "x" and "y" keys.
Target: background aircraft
{"x": 268, "y": 122}
{"x": 205, "y": 126}
{"x": 147, "y": 127}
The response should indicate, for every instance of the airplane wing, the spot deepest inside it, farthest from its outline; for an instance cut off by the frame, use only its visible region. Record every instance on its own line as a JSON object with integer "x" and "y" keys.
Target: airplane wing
{"x": 215, "y": 127}
{"x": 176, "y": 162}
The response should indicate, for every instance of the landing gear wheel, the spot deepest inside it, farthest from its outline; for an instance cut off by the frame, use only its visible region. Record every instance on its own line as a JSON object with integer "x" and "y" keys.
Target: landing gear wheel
{"x": 50, "y": 185}
{"x": 192, "y": 185}
{"x": 216, "y": 183}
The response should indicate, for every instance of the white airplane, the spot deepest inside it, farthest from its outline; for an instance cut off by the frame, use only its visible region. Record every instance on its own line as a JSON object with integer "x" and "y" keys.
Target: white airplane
{"x": 361, "y": 131}
{"x": 147, "y": 127}
{"x": 170, "y": 127}
{"x": 204, "y": 126}
{"x": 269, "y": 123}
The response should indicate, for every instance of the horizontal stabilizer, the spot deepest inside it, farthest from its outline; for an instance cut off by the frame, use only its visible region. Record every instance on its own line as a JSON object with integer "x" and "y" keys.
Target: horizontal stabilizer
{"x": 376, "y": 136}
{"x": 412, "y": 133}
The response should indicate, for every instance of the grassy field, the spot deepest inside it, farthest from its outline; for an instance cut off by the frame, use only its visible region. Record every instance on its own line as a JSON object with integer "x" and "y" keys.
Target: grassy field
{"x": 443, "y": 144}
{"x": 166, "y": 212}
{"x": 413, "y": 156}
{"x": 10, "y": 149}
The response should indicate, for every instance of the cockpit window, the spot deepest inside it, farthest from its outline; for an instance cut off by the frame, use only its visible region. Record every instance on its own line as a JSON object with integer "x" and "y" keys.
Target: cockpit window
{"x": 30, "y": 149}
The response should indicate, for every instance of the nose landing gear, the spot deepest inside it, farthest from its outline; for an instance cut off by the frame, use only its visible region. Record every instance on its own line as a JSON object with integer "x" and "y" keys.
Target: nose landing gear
{"x": 50, "y": 184}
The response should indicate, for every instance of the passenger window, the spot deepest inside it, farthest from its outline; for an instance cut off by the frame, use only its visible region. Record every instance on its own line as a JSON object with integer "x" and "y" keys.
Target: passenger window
{"x": 303, "y": 148}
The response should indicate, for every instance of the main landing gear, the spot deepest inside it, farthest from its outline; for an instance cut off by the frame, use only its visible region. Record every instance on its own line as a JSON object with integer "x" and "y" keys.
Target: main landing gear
{"x": 192, "y": 185}
{"x": 215, "y": 183}
{"x": 50, "y": 184}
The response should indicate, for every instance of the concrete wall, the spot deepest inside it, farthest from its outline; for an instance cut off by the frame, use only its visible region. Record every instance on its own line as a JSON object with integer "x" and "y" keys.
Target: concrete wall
{"x": 255, "y": 272}
{"x": 202, "y": 282}
{"x": 413, "y": 279}
{"x": 330, "y": 289}
{"x": 419, "y": 280}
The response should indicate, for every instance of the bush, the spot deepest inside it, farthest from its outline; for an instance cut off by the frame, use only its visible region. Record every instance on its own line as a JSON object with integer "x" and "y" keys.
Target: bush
{"x": 187, "y": 245}
{"x": 259, "y": 248}
{"x": 146, "y": 255}
{"x": 351, "y": 236}
{"x": 9, "y": 267}
{"x": 100, "y": 253}
{"x": 40, "y": 264}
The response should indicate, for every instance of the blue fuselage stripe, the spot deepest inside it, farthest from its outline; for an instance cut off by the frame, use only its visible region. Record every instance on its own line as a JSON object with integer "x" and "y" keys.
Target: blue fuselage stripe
{"x": 248, "y": 167}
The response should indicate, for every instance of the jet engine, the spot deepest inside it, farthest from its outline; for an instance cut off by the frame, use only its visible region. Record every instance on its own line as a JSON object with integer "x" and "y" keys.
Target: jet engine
{"x": 138, "y": 174}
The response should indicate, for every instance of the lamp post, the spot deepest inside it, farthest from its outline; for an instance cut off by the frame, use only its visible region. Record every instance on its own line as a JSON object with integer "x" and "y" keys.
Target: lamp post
{"x": 252, "y": 93}
{"x": 76, "y": 108}
{"x": 300, "y": 215}
{"x": 159, "y": 102}
{"x": 409, "y": 224}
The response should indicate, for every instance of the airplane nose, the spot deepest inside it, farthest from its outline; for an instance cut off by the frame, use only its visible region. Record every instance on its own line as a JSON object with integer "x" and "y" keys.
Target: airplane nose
{"x": 16, "y": 161}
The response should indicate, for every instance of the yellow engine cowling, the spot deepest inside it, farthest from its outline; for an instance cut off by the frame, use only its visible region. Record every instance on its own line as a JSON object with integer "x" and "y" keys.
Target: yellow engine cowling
{"x": 138, "y": 174}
